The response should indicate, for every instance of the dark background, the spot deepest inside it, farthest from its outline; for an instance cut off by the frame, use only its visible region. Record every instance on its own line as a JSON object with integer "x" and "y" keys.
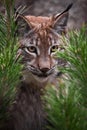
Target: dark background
{"x": 78, "y": 13}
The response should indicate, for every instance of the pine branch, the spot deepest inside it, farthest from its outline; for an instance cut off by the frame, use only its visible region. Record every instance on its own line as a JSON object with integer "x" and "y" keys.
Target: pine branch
{"x": 76, "y": 56}
{"x": 9, "y": 69}
{"x": 64, "y": 111}
{"x": 67, "y": 106}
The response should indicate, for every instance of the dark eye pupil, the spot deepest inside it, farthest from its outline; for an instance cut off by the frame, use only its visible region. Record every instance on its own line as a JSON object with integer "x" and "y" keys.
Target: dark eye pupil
{"x": 54, "y": 48}
{"x": 32, "y": 48}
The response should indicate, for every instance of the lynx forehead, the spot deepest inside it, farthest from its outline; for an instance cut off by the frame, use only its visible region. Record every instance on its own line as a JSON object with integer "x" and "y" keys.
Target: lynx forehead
{"x": 39, "y": 45}
{"x": 39, "y": 21}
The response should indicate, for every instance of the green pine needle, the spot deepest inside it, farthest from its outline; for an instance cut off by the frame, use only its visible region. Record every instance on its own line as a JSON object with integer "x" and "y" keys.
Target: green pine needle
{"x": 67, "y": 105}
{"x": 9, "y": 67}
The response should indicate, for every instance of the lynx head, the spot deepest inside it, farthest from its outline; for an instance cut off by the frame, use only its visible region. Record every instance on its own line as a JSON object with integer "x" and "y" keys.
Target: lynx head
{"x": 38, "y": 45}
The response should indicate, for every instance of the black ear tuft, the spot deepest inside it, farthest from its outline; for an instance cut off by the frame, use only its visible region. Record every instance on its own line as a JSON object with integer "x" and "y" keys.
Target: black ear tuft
{"x": 68, "y": 8}
{"x": 60, "y": 20}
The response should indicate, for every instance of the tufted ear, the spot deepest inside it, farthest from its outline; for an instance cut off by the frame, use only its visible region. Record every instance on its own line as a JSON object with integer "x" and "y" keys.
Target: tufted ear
{"x": 60, "y": 20}
{"x": 23, "y": 26}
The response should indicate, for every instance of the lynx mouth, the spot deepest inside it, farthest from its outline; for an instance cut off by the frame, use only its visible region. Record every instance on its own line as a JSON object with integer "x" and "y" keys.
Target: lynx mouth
{"x": 37, "y": 72}
{"x": 42, "y": 75}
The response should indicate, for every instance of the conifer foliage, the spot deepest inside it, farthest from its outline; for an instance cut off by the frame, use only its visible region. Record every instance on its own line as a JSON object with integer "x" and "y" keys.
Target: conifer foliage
{"x": 9, "y": 66}
{"x": 67, "y": 105}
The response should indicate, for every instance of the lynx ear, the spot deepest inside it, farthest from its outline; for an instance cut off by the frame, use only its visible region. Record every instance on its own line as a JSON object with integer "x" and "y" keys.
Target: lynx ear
{"x": 60, "y": 20}
{"x": 23, "y": 26}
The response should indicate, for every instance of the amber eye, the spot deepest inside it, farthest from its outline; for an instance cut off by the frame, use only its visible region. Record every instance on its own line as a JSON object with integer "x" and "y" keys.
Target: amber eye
{"x": 54, "y": 48}
{"x": 32, "y": 49}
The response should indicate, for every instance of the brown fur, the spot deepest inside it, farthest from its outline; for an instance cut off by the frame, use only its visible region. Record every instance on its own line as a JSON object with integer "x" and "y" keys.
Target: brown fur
{"x": 27, "y": 111}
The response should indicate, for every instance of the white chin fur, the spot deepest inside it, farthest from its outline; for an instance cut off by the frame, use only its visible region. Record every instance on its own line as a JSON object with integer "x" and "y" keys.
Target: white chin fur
{"x": 41, "y": 79}
{"x": 28, "y": 77}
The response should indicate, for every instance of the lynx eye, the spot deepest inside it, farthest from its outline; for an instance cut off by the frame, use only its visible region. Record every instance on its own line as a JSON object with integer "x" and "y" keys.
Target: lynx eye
{"x": 54, "y": 48}
{"x": 32, "y": 49}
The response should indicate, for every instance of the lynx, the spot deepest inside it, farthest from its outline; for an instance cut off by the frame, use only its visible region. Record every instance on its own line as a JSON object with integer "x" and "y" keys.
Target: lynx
{"x": 38, "y": 46}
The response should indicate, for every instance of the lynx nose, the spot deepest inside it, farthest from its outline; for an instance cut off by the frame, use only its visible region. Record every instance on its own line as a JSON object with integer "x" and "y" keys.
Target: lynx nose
{"x": 44, "y": 70}
{"x": 44, "y": 64}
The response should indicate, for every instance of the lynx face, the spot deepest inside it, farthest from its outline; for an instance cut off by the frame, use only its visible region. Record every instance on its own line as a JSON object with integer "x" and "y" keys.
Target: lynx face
{"x": 39, "y": 45}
